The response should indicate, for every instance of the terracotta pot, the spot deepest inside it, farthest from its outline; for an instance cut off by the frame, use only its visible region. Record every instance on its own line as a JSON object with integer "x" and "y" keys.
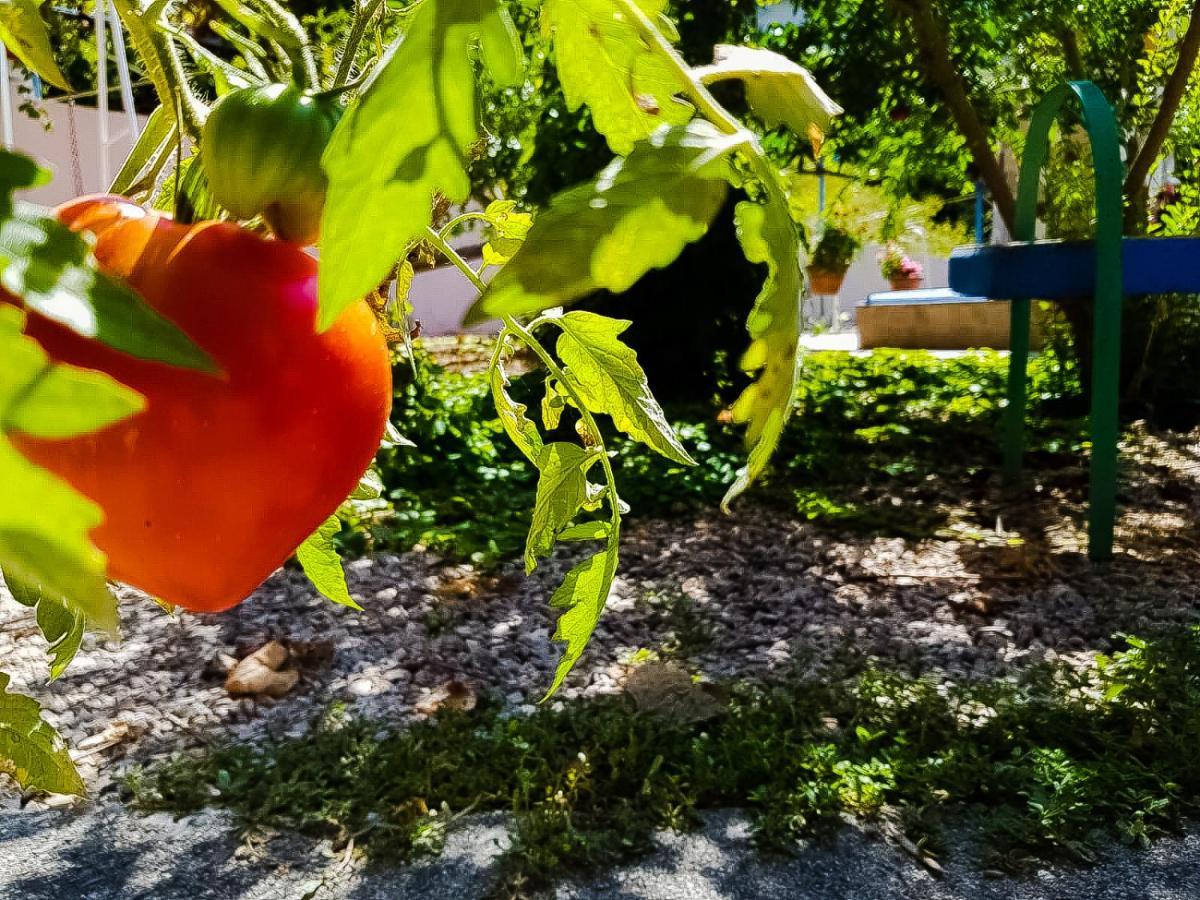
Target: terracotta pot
{"x": 825, "y": 282}
{"x": 905, "y": 283}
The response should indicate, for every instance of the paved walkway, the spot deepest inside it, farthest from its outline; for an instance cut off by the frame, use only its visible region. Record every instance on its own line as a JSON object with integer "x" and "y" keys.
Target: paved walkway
{"x": 106, "y": 853}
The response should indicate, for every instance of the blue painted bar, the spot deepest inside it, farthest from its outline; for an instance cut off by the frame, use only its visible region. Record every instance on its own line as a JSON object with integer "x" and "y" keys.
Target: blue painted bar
{"x": 1056, "y": 270}
{"x": 980, "y": 209}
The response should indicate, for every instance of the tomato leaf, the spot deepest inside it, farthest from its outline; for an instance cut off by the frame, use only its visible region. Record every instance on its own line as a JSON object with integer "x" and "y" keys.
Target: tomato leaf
{"x": 583, "y": 595}
{"x": 405, "y": 140}
{"x": 586, "y": 531}
{"x": 602, "y": 61}
{"x": 779, "y": 91}
{"x": 44, "y": 524}
{"x": 320, "y": 561}
{"x": 24, "y": 33}
{"x": 609, "y": 380}
{"x": 562, "y": 490}
{"x": 769, "y": 236}
{"x": 61, "y": 626}
{"x": 31, "y": 751}
{"x": 637, "y": 215}
{"x": 148, "y": 156}
{"x": 51, "y": 269}
{"x": 520, "y": 429}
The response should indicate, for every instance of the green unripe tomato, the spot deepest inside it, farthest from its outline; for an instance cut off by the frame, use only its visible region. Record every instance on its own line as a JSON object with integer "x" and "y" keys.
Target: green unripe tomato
{"x": 261, "y": 149}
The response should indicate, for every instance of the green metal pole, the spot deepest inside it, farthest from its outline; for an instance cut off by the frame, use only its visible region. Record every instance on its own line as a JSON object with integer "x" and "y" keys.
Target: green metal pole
{"x": 1106, "y": 159}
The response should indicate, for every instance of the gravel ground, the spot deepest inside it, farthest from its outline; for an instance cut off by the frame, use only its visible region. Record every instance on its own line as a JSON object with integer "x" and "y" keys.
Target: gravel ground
{"x": 742, "y": 596}
{"x": 106, "y": 853}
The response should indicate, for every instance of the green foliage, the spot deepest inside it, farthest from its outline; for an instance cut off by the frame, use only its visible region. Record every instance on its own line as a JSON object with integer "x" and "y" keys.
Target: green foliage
{"x": 610, "y": 381}
{"x": 868, "y": 432}
{"x": 769, "y": 236}
{"x": 24, "y": 33}
{"x": 383, "y": 176}
{"x": 50, "y": 268}
{"x": 61, "y": 625}
{"x": 1051, "y": 765}
{"x": 319, "y": 559}
{"x": 637, "y": 215}
{"x": 604, "y": 61}
{"x": 562, "y": 491}
{"x": 44, "y": 524}
{"x": 835, "y": 249}
{"x": 31, "y": 752}
{"x": 778, "y": 91}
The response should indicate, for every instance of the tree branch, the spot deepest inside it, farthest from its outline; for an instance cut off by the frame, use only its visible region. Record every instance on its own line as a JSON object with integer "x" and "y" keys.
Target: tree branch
{"x": 933, "y": 47}
{"x": 1173, "y": 92}
{"x": 1071, "y": 54}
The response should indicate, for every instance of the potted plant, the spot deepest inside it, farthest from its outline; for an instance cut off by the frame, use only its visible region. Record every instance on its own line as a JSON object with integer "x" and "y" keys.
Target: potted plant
{"x": 901, "y": 271}
{"x": 831, "y": 257}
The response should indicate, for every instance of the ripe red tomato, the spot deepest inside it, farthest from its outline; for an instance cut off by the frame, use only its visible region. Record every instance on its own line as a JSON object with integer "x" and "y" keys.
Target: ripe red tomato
{"x": 221, "y": 477}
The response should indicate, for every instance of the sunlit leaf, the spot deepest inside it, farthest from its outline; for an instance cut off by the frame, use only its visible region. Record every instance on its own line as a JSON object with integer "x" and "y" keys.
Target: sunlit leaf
{"x": 520, "y": 429}
{"x": 561, "y": 493}
{"x": 769, "y": 236}
{"x": 637, "y": 215}
{"x": 320, "y": 561}
{"x": 44, "y": 523}
{"x": 24, "y": 33}
{"x": 779, "y": 91}
{"x": 148, "y": 156}
{"x": 583, "y": 595}
{"x": 50, "y": 268}
{"x": 61, "y": 626}
{"x": 31, "y": 751}
{"x": 603, "y": 61}
{"x": 609, "y": 379}
{"x": 406, "y": 140}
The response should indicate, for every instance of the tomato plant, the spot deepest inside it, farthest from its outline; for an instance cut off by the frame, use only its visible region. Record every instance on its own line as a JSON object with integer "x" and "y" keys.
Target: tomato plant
{"x": 300, "y": 367}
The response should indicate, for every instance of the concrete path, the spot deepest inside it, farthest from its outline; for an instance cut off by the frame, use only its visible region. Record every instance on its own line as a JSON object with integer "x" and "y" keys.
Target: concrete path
{"x": 106, "y": 853}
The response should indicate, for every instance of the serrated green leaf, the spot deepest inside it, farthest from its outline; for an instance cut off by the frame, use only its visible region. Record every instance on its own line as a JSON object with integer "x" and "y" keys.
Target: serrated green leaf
{"x": 24, "y": 33}
{"x": 405, "y": 140}
{"x": 638, "y": 215}
{"x": 583, "y": 595}
{"x": 369, "y": 487}
{"x": 31, "y": 751}
{"x": 561, "y": 492}
{"x": 48, "y": 266}
{"x": 149, "y": 155}
{"x": 508, "y": 230}
{"x": 520, "y": 429}
{"x": 779, "y": 91}
{"x": 604, "y": 62}
{"x": 61, "y": 626}
{"x": 769, "y": 236}
{"x": 609, "y": 379}
{"x": 320, "y": 561}
{"x": 44, "y": 523}
{"x": 553, "y": 403}
{"x": 586, "y": 531}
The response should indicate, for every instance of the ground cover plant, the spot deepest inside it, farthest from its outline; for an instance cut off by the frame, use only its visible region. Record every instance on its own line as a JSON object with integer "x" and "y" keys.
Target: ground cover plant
{"x": 1053, "y": 764}
{"x": 866, "y": 450}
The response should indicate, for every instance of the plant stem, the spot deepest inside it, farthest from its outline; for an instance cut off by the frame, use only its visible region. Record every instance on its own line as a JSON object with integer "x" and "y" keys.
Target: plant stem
{"x": 362, "y": 18}
{"x": 513, "y": 327}
{"x": 704, "y": 101}
{"x": 442, "y": 246}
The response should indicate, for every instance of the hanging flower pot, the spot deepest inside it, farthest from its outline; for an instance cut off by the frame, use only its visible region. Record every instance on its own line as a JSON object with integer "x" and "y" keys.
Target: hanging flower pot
{"x": 825, "y": 282}
{"x": 902, "y": 273}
